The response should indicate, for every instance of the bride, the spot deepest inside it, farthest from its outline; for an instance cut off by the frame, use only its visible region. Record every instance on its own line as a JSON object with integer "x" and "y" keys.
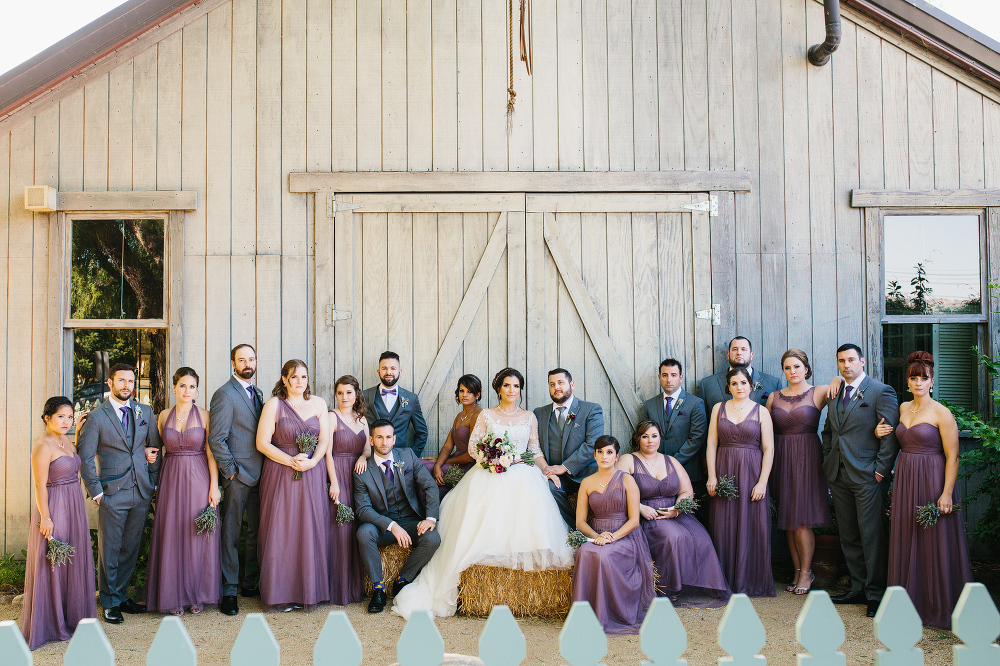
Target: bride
{"x": 502, "y": 520}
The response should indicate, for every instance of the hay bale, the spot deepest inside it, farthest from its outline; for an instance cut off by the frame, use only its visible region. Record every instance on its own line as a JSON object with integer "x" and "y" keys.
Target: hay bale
{"x": 542, "y": 594}
{"x": 393, "y": 558}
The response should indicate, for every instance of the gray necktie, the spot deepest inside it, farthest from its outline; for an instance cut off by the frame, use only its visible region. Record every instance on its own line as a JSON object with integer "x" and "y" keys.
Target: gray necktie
{"x": 561, "y": 418}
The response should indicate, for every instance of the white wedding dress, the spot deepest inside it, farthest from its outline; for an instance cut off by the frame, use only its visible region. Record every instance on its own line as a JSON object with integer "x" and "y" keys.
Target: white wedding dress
{"x": 503, "y": 520}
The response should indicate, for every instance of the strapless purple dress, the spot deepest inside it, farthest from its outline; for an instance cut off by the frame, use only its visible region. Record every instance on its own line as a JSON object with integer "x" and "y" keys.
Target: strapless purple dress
{"x": 460, "y": 438}
{"x": 293, "y": 542}
{"x": 797, "y": 480}
{"x": 932, "y": 563}
{"x": 345, "y": 560}
{"x": 682, "y": 551}
{"x": 184, "y": 569}
{"x": 617, "y": 579}
{"x": 56, "y": 601}
{"x": 741, "y": 529}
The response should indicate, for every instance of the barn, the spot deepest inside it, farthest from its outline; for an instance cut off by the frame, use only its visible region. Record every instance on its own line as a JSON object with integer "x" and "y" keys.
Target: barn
{"x": 327, "y": 179}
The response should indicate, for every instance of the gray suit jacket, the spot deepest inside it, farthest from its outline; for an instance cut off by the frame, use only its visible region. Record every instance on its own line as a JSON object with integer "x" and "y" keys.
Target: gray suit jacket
{"x": 585, "y": 423}
{"x": 684, "y": 434}
{"x": 849, "y": 434}
{"x": 405, "y": 413}
{"x": 233, "y": 432}
{"x": 713, "y": 388}
{"x": 114, "y": 461}
{"x": 370, "y": 502}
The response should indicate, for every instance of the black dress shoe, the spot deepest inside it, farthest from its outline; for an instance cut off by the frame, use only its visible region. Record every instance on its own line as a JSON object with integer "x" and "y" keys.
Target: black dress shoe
{"x": 377, "y": 604}
{"x": 113, "y": 615}
{"x": 228, "y": 605}
{"x": 848, "y": 598}
{"x": 249, "y": 591}
{"x": 399, "y": 585}
{"x": 132, "y": 607}
{"x": 873, "y": 607}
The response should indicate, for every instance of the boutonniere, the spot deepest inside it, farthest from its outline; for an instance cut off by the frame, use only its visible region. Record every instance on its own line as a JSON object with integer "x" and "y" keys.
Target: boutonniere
{"x": 571, "y": 417}
{"x": 398, "y": 465}
{"x": 137, "y": 410}
{"x": 860, "y": 395}
{"x": 756, "y": 386}
{"x": 403, "y": 402}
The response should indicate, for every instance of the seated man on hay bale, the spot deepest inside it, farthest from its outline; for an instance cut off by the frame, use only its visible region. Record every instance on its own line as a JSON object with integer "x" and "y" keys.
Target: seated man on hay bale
{"x": 388, "y": 508}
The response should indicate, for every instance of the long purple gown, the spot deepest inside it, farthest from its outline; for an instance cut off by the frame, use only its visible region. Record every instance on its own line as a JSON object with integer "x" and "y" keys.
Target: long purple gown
{"x": 932, "y": 563}
{"x": 345, "y": 560}
{"x": 184, "y": 569}
{"x": 797, "y": 480}
{"x": 460, "y": 439}
{"x": 741, "y": 529}
{"x": 293, "y": 541}
{"x": 682, "y": 551}
{"x": 56, "y": 601}
{"x": 617, "y": 579}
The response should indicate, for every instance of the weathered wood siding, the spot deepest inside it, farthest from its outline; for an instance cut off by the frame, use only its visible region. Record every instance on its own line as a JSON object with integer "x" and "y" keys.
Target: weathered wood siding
{"x": 230, "y": 96}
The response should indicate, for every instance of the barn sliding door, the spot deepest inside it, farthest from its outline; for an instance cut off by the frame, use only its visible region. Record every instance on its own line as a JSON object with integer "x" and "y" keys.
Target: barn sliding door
{"x": 603, "y": 285}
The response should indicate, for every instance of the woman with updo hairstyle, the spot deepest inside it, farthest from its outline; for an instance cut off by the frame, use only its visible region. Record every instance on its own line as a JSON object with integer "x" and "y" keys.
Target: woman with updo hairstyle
{"x": 293, "y": 541}
{"x": 56, "y": 598}
{"x": 348, "y": 453}
{"x": 455, "y": 451}
{"x": 932, "y": 563}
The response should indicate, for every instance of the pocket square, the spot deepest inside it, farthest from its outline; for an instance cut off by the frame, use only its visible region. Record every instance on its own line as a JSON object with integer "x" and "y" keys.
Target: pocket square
{"x": 864, "y": 404}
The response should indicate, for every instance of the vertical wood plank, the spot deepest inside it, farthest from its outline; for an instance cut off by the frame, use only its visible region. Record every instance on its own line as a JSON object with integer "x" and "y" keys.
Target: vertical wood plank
{"x": 369, "y": 90}
{"x": 218, "y": 326}
{"x": 970, "y": 138}
{"x": 294, "y": 323}
{"x": 671, "y": 263}
{"x": 645, "y": 100}
{"x": 550, "y": 316}
{"x": 193, "y": 314}
{"x": 120, "y": 98}
{"x": 569, "y": 38}
{"x": 621, "y": 121}
{"x": 496, "y": 301}
{"x": 720, "y": 84}
{"x": 723, "y": 240}
{"x": 268, "y": 311}
{"x": 475, "y": 349}
{"x": 595, "y": 85}
{"x": 194, "y": 62}
{"x": 244, "y": 146}
{"x": 920, "y": 123}
{"x": 895, "y": 136}
{"x": 169, "y": 77}
{"x": 359, "y": 261}
{"x": 944, "y": 91}
{"x": 374, "y": 243}
{"x": 344, "y": 272}
{"x": 70, "y": 150}
{"x": 544, "y": 84}
{"x": 144, "y": 120}
{"x": 95, "y": 135}
{"x": 520, "y": 154}
{"x": 494, "y": 13}
{"x": 319, "y": 79}
{"x": 571, "y": 335}
{"x": 4, "y": 228}
{"x": 293, "y": 140}
{"x": 517, "y": 307}
{"x": 534, "y": 276}
{"x": 670, "y": 83}
{"x": 694, "y": 37}
{"x": 621, "y": 328}
{"x": 773, "y": 281}
{"x": 394, "y": 85}
{"x": 646, "y": 303}
{"x": 451, "y": 289}
{"x": 870, "y": 151}
{"x": 419, "y": 120}
{"x": 243, "y": 302}
{"x": 593, "y": 245}
{"x": 344, "y": 86}
{"x": 469, "y": 50}
{"x": 325, "y": 266}
{"x": 991, "y": 143}
{"x": 425, "y": 303}
{"x": 771, "y": 138}
{"x": 269, "y": 134}
{"x": 218, "y": 201}
{"x": 444, "y": 66}
{"x": 874, "y": 290}
{"x": 399, "y": 283}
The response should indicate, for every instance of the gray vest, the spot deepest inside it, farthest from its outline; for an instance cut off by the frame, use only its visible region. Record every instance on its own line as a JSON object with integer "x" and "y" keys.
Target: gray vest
{"x": 399, "y": 507}
{"x": 554, "y": 455}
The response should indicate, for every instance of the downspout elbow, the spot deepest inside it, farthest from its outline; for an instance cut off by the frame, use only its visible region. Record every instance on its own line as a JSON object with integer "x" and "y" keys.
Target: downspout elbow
{"x": 819, "y": 54}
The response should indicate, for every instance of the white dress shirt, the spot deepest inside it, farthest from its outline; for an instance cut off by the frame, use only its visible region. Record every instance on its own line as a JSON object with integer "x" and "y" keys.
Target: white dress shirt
{"x": 388, "y": 400}
{"x": 566, "y": 405}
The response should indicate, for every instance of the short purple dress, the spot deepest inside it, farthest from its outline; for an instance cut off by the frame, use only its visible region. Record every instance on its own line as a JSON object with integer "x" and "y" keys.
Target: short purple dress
{"x": 293, "y": 541}
{"x": 56, "y": 601}
{"x": 682, "y": 551}
{"x": 617, "y": 579}
{"x": 932, "y": 563}
{"x": 184, "y": 569}
{"x": 797, "y": 481}
{"x": 741, "y": 529}
{"x": 345, "y": 560}
{"x": 460, "y": 439}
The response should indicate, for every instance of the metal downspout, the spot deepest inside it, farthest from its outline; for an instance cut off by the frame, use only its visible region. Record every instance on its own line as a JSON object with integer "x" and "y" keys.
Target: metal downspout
{"x": 819, "y": 54}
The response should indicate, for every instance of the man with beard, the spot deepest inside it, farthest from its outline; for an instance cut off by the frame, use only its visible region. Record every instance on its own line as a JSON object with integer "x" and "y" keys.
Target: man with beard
{"x": 232, "y": 436}
{"x": 713, "y": 387}
{"x": 394, "y": 403}
{"x": 118, "y": 448}
{"x": 567, "y": 430}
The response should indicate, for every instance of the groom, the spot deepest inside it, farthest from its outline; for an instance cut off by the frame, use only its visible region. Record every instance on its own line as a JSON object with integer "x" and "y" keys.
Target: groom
{"x": 388, "y": 510}
{"x": 118, "y": 446}
{"x": 392, "y": 402}
{"x": 567, "y": 430}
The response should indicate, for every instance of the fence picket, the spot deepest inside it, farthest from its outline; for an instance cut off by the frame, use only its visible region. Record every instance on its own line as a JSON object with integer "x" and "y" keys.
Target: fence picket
{"x": 338, "y": 644}
{"x": 13, "y": 650}
{"x": 663, "y": 637}
{"x": 820, "y": 631}
{"x": 420, "y": 644}
{"x": 741, "y": 633}
{"x": 171, "y": 646}
{"x": 581, "y": 640}
{"x": 898, "y": 626}
{"x": 977, "y": 622}
{"x": 502, "y": 643}
{"x": 89, "y": 646}
{"x": 255, "y": 644}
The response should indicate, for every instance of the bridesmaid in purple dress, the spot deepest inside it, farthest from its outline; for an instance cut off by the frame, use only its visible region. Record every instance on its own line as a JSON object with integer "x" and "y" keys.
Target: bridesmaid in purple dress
{"x": 56, "y": 599}
{"x": 184, "y": 569}
{"x": 798, "y": 483}
{"x": 456, "y": 448}
{"x": 688, "y": 566}
{"x": 348, "y": 453}
{"x": 613, "y": 572}
{"x": 932, "y": 563}
{"x": 740, "y": 446}
{"x": 293, "y": 543}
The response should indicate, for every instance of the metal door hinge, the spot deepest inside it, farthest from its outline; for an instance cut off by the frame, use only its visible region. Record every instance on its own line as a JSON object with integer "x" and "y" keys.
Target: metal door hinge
{"x": 715, "y": 314}
{"x": 711, "y": 206}
{"x": 333, "y": 315}
{"x": 332, "y": 205}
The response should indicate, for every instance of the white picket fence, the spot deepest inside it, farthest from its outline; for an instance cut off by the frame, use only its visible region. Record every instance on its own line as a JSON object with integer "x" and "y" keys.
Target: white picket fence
{"x": 818, "y": 629}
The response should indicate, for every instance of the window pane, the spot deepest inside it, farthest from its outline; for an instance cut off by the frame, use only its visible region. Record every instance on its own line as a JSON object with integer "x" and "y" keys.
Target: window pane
{"x": 96, "y": 350}
{"x": 932, "y": 264}
{"x": 956, "y": 375}
{"x": 117, "y": 269}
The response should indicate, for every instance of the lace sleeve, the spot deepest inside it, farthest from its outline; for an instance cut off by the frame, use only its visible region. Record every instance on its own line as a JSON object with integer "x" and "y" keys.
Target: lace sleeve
{"x": 533, "y": 436}
{"x": 478, "y": 432}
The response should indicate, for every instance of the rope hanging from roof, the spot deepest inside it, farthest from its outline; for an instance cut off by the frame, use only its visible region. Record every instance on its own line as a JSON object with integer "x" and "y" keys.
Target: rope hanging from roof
{"x": 525, "y": 38}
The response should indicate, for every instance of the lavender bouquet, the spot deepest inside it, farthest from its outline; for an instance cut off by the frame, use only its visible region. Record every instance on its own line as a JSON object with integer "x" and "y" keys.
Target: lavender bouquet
{"x": 58, "y": 552}
{"x": 453, "y": 476}
{"x": 307, "y": 443}
{"x": 726, "y": 488}
{"x": 576, "y": 538}
{"x": 345, "y": 514}
{"x": 686, "y": 505}
{"x": 207, "y": 521}
{"x": 527, "y": 458}
{"x": 930, "y": 513}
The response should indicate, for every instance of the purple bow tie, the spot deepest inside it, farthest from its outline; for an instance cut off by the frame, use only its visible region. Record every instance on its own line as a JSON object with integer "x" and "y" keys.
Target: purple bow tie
{"x": 388, "y": 391}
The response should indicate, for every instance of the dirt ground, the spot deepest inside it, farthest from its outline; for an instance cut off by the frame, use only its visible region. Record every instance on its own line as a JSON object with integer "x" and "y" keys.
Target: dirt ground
{"x": 213, "y": 635}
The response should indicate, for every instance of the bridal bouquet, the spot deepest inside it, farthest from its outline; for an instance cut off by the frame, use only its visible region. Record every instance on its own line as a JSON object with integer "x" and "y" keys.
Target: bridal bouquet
{"x": 59, "y": 552}
{"x": 495, "y": 453}
{"x": 307, "y": 443}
